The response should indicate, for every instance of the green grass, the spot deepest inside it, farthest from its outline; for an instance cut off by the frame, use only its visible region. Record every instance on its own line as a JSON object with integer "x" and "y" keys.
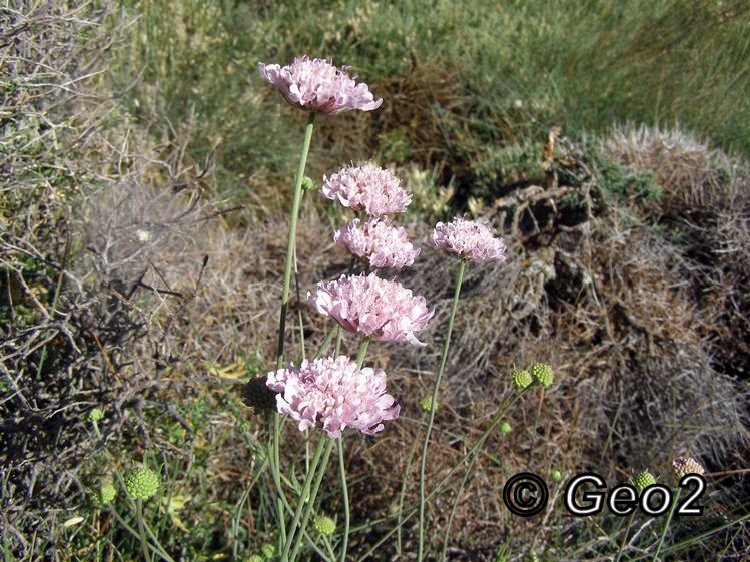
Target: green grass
{"x": 498, "y": 74}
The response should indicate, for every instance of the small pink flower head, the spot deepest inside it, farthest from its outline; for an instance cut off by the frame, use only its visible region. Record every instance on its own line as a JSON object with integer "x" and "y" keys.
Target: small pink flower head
{"x": 367, "y": 188}
{"x": 317, "y": 85}
{"x": 470, "y": 240}
{"x": 380, "y": 243}
{"x": 373, "y": 307}
{"x": 334, "y": 394}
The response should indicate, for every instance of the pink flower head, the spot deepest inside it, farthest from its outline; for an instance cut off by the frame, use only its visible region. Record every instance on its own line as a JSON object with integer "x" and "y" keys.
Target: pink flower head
{"x": 334, "y": 394}
{"x": 367, "y": 188}
{"x": 469, "y": 239}
{"x": 376, "y": 308}
{"x": 317, "y": 85}
{"x": 380, "y": 243}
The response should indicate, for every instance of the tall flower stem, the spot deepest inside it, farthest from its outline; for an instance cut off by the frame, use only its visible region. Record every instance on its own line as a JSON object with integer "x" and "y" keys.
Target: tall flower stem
{"x": 297, "y": 197}
{"x": 289, "y": 262}
{"x": 441, "y": 370}
{"x": 342, "y": 465}
{"x": 304, "y": 497}
{"x": 142, "y": 531}
{"x": 319, "y": 472}
{"x": 345, "y": 497}
{"x": 666, "y": 524}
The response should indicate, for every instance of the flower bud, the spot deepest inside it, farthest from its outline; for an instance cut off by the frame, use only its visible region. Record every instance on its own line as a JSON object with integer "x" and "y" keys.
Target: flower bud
{"x": 427, "y": 405}
{"x": 95, "y": 415}
{"x": 556, "y": 475}
{"x": 268, "y": 550}
{"x": 642, "y": 480}
{"x": 521, "y": 378}
{"x": 324, "y": 524}
{"x": 542, "y": 374}
{"x": 104, "y": 494}
{"x": 141, "y": 483}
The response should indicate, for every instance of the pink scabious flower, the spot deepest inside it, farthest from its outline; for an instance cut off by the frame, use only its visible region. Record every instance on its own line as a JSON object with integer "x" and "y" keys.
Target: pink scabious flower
{"x": 317, "y": 85}
{"x": 371, "y": 306}
{"x": 380, "y": 243}
{"x": 333, "y": 393}
{"x": 367, "y": 188}
{"x": 468, "y": 239}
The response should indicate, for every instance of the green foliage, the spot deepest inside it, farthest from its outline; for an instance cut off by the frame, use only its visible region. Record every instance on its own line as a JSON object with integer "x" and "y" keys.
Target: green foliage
{"x": 619, "y": 179}
{"x": 509, "y": 71}
{"x": 507, "y": 164}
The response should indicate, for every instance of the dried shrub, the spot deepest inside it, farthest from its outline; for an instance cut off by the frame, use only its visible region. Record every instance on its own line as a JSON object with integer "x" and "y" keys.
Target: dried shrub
{"x": 86, "y": 232}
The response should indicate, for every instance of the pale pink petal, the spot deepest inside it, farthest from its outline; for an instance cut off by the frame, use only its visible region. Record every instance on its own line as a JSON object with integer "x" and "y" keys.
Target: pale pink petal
{"x": 317, "y": 85}
{"x": 333, "y": 394}
{"x": 368, "y": 188}
{"x": 373, "y": 307}
{"x": 469, "y": 240}
{"x": 381, "y": 244}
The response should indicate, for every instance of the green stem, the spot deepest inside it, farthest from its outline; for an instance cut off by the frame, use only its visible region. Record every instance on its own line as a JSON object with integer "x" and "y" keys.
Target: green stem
{"x": 142, "y": 531}
{"x": 666, "y": 524}
{"x": 272, "y": 454}
{"x": 362, "y": 352}
{"x": 297, "y": 197}
{"x": 318, "y": 469}
{"x": 405, "y": 515}
{"x": 345, "y": 496}
{"x": 275, "y": 464}
{"x": 304, "y": 497}
{"x": 339, "y": 334}
{"x": 625, "y": 538}
{"x": 443, "y": 360}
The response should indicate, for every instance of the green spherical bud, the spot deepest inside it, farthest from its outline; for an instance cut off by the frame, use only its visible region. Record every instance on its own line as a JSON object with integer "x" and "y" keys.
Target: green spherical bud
{"x": 307, "y": 183}
{"x": 104, "y": 495}
{"x": 255, "y": 558}
{"x": 556, "y": 475}
{"x": 324, "y": 524}
{"x": 427, "y": 405}
{"x": 95, "y": 415}
{"x": 521, "y": 378}
{"x": 141, "y": 483}
{"x": 268, "y": 550}
{"x": 505, "y": 427}
{"x": 542, "y": 374}
{"x": 642, "y": 480}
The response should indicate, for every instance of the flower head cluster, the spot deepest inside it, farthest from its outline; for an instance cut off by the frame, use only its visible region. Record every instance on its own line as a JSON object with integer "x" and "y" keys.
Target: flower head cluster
{"x": 468, "y": 239}
{"x": 334, "y": 394}
{"x": 521, "y": 378}
{"x": 542, "y": 374}
{"x": 368, "y": 188}
{"x": 380, "y": 243}
{"x": 141, "y": 483}
{"x": 317, "y": 85}
{"x": 373, "y": 307}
